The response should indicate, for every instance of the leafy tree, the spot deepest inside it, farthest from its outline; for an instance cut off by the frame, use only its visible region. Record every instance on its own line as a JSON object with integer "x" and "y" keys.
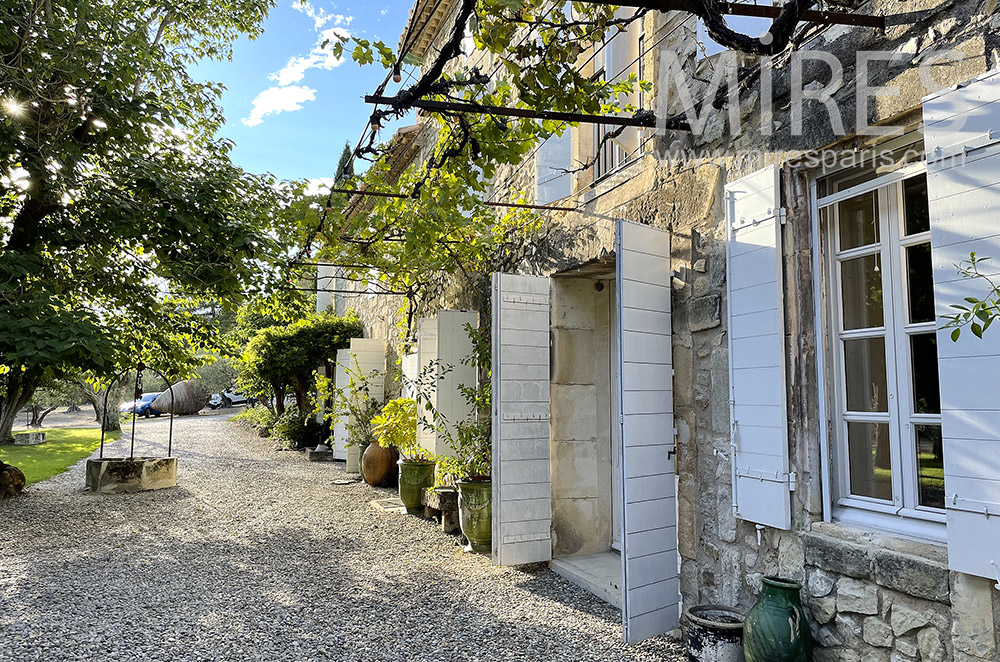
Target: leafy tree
{"x": 345, "y": 167}
{"x": 219, "y": 375}
{"x": 51, "y": 396}
{"x": 282, "y": 358}
{"x": 121, "y": 215}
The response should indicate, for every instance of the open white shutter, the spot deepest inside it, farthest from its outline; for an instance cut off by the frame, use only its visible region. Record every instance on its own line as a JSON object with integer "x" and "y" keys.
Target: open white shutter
{"x": 962, "y": 136}
{"x": 454, "y": 347}
{"x": 340, "y": 426}
{"x": 427, "y": 348}
{"x": 367, "y": 356}
{"x": 651, "y": 599}
{"x": 522, "y": 506}
{"x": 755, "y": 313}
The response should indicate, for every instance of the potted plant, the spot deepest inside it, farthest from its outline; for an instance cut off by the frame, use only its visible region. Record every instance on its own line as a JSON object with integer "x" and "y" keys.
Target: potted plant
{"x": 470, "y": 467}
{"x": 396, "y": 427}
{"x": 471, "y": 464}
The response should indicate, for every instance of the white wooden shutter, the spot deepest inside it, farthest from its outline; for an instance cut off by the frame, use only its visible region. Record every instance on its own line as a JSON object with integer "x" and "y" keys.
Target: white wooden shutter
{"x": 553, "y": 161}
{"x": 454, "y": 347}
{"x": 962, "y": 137}
{"x": 367, "y": 357}
{"x": 522, "y": 506}
{"x": 427, "y": 348}
{"x": 651, "y": 599}
{"x": 756, "y": 329}
{"x": 340, "y": 426}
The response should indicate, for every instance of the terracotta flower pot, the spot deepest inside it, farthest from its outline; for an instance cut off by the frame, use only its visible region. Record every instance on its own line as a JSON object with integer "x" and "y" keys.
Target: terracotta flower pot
{"x": 378, "y": 465}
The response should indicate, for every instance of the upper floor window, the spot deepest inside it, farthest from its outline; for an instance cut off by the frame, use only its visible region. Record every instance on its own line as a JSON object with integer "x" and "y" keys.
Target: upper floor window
{"x": 886, "y": 402}
{"x": 618, "y": 57}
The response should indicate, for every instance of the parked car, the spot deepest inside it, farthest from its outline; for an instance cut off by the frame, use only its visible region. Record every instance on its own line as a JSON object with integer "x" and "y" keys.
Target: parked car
{"x": 142, "y": 405}
{"x": 226, "y": 399}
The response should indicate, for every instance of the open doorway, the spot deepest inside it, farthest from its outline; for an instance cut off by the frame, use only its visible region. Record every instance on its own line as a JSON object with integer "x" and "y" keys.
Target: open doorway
{"x": 582, "y": 371}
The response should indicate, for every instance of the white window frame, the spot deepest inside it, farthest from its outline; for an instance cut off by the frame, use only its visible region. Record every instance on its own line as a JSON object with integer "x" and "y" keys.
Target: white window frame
{"x": 897, "y": 517}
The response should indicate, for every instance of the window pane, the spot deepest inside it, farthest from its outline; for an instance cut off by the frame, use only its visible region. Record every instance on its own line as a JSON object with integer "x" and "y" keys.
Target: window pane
{"x": 861, "y": 280}
{"x": 926, "y": 393}
{"x": 870, "y": 460}
{"x": 921, "y": 283}
{"x": 930, "y": 466}
{"x": 864, "y": 361}
{"x": 918, "y": 218}
{"x": 858, "y": 221}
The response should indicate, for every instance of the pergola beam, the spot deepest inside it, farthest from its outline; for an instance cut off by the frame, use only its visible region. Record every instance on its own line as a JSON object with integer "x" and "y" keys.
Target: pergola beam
{"x": 517, "y": 205}
{"x": 527, "y": 113}
{"x": 755, "y": 11}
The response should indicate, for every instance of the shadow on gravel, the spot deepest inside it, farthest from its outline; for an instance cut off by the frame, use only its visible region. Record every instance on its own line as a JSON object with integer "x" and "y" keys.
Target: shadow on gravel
{"x": 300, "y": 596}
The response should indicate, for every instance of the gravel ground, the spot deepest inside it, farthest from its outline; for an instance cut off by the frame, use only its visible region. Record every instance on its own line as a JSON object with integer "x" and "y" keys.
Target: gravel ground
{"x": 259, "y": 555}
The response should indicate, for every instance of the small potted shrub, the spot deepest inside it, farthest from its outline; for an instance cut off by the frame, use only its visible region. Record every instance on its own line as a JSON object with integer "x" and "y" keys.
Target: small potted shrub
{"x": 471, "y": 467}
{"x": 471, "y": 463}
{"x": 396, "y": 427}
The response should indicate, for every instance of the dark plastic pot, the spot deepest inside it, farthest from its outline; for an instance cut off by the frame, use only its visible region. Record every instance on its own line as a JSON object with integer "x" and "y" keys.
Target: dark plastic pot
{"x": 475, "y": 514}
{"x": 713, "y": 633}
{"x": 414, "y": 477}
{"x": 775, "y": 629}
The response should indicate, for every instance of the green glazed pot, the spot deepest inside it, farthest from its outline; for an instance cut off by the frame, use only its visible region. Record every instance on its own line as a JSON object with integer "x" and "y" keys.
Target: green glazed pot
{"x": 413, "y": 478}
{"x": 775, "y": 629}
{"x": 475, "y": 513}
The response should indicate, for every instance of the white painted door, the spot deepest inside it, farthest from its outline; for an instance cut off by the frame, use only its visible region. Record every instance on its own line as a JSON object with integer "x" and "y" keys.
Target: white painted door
{"x": 522, "y": 506}
{"x": 651, "y": 598}
{"x": 758, "y": 423}
{"x": 962, "y": 136}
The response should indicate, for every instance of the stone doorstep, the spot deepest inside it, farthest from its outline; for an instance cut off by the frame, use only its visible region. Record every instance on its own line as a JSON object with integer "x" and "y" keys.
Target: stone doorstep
{"x": 29, "y": 438}
{"x": 314, "y": 455}
{"x": 392, "y": 505}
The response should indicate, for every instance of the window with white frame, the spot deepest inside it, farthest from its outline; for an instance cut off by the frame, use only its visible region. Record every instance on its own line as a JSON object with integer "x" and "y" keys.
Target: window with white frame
{"x": 883, "y": 349}
{"x": 614, "y": 61}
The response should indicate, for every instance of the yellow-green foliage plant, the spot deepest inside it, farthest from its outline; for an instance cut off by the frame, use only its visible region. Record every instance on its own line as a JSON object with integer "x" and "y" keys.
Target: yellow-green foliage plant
{"x": 396, "y": 427}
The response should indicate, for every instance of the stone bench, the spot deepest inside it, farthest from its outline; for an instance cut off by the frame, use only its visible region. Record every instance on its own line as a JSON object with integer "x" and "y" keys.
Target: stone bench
{"x": 29, "y": 438}
{"x": 442, "y": 505}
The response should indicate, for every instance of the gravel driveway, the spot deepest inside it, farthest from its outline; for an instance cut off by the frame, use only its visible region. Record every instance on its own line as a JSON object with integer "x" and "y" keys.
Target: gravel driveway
{"x": 259, "y": 555}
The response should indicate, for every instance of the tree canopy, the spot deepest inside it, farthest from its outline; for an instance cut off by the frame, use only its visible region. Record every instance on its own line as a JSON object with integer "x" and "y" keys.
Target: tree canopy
{"x": 121, "y": 213}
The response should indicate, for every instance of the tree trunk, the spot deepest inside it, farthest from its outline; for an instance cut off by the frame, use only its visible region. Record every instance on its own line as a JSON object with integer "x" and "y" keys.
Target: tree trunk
{"x": 279, "y": 400}
{"x": 301, "y": 394}
{"x": 112, "y": 422}
{"x": 38, "y": 415}
{"x": 19, "y": 390}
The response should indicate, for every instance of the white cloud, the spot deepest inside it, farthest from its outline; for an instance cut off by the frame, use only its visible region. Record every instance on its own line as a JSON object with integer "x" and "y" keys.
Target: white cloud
{"x": 286, "y": 97}
{"x": 276, "y": 100}
{"x": 317, "y": 58}
{"x": 318, "y": 185}
{"x": 319, "y": 16}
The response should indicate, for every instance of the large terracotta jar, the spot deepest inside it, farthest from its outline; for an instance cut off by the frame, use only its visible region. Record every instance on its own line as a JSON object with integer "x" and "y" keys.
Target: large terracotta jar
{"x": 775, "y": 629}
{"x": 378, "y": 465}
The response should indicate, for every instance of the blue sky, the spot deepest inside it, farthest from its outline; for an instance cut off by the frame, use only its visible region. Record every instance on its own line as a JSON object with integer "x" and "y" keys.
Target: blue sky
{"x": 289, "y": 107}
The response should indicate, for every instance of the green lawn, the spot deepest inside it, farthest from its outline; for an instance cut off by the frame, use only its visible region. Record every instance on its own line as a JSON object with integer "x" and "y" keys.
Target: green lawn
{"x": 63, "y": 448}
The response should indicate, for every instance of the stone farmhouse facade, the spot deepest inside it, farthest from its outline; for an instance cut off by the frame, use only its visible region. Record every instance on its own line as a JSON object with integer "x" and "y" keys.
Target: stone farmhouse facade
{"x": 722, "y": 369}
